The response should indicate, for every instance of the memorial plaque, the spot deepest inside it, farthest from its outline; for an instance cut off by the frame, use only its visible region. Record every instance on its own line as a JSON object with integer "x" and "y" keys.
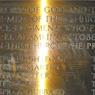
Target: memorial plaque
{"x": 47, "y": 47}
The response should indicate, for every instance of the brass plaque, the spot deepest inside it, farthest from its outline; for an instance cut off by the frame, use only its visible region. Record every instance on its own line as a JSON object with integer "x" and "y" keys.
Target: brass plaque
{"x": 47, "y": 47}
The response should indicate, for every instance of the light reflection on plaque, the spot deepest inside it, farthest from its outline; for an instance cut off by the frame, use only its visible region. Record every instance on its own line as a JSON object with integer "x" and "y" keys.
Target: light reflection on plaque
{"x": 43, "y": 50}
